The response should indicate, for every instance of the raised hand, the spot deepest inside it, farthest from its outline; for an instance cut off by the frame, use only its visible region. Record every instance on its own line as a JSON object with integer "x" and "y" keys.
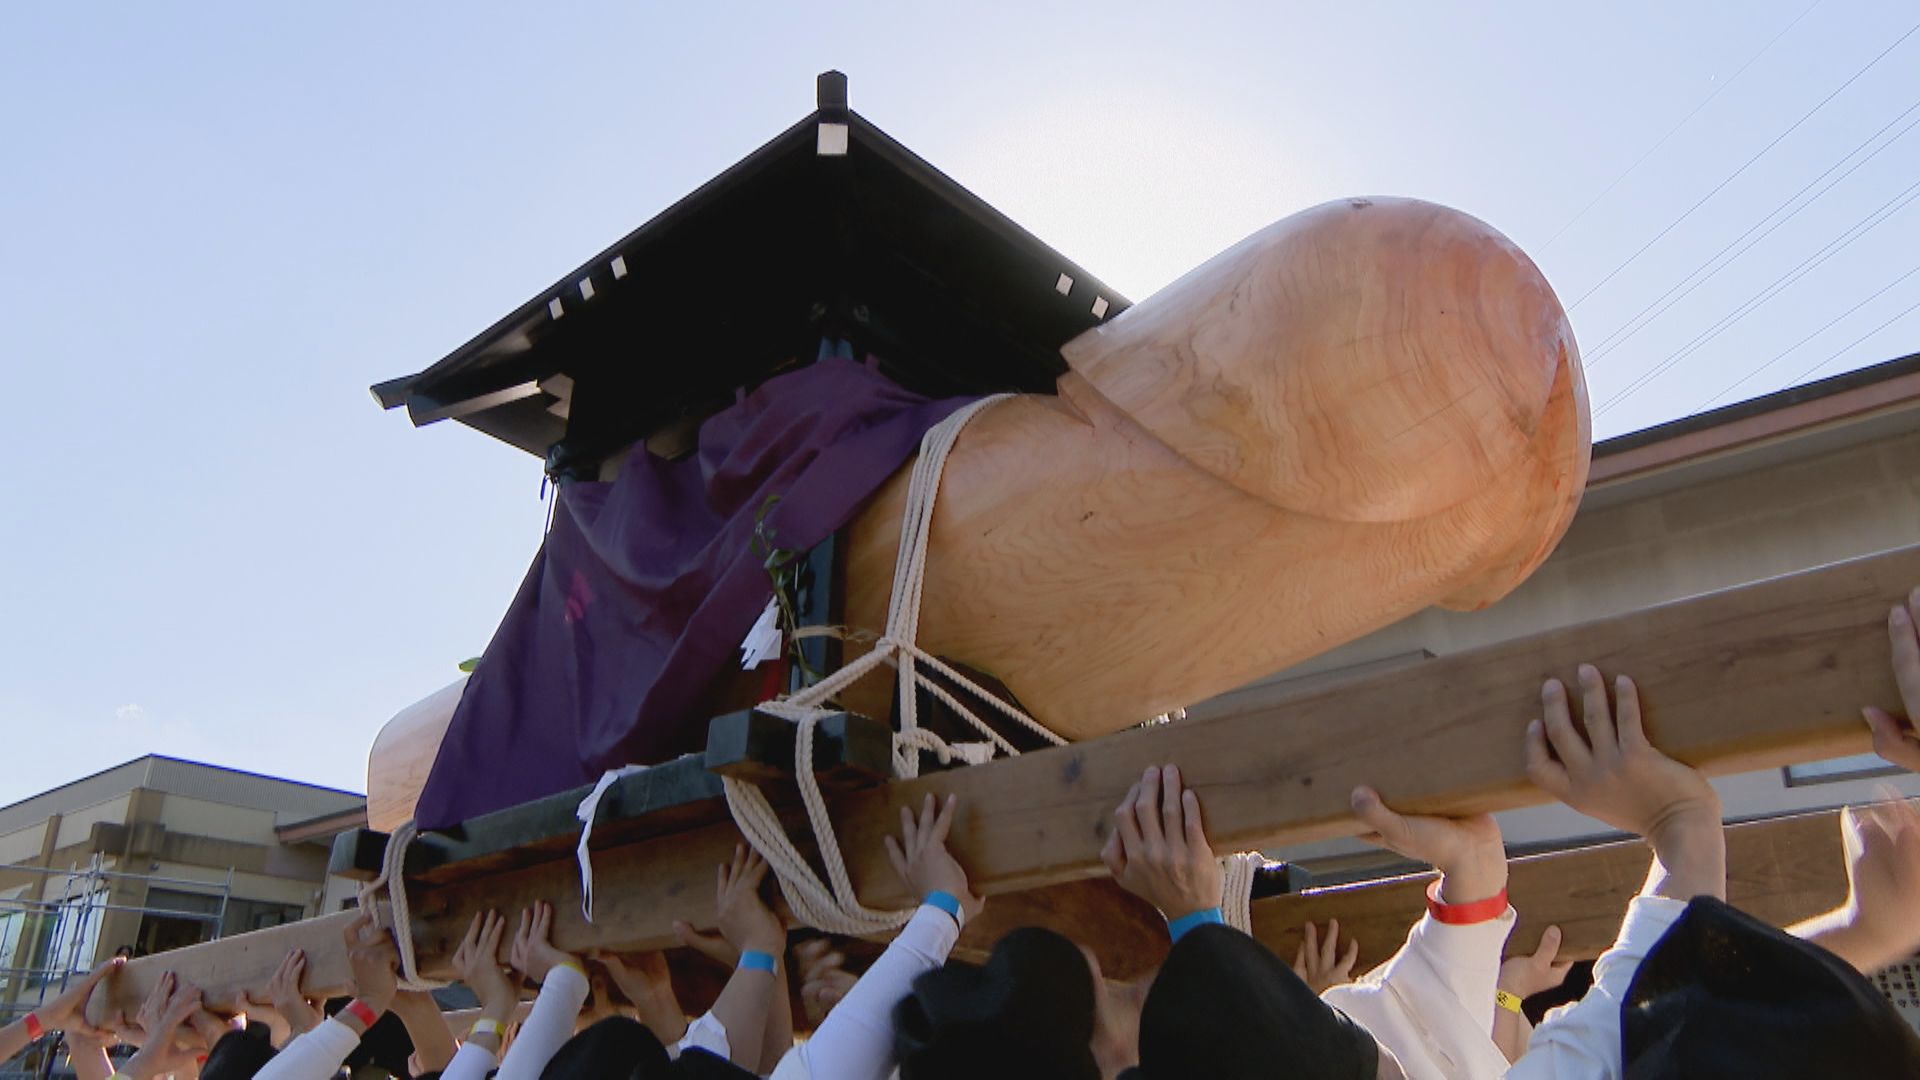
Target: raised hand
{"x": 478, "y": 962}
{"x": 647, "y": 983}
{"x": 283, "y": 992}
{"x": 374, "y": 962}
{"x": 1319, "y": 962}
{"x": 1894, "y": 738}
{"x": 1525, "y": 976}
{"x": 1883, "y": 881}
{"x": 744, "y": 919}
{"x": 1158, "y": 849}
{"x": 68, "y": 1012}
{"x": 172, "y": 1003}
{"x": 1609, "y": 771}
{"x": 532, "y": 952}
{"x": 824, "y": 979}
{"x": 1468, "y": 852}
{"x": 921, "y": 858}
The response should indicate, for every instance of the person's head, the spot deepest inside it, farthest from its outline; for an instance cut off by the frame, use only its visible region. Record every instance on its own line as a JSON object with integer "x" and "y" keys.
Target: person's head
{"x": 1225, "y": 1008}
{"x": 1725, "y": 995}
{"x": 1029, "y": 1011}
{"x": 1222, "y": 1007}
{"x": 613, "y": 1049}
{"x": 621, "y": 1048}
{"x": 239, "y": 1054}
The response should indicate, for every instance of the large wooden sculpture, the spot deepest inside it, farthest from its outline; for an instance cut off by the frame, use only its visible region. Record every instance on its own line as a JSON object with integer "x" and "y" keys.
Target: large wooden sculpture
{"x": 1367, "y": 408}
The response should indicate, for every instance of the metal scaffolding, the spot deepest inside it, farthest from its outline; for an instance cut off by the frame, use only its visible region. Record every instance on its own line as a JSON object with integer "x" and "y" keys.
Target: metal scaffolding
{"x": 45, "y": 942}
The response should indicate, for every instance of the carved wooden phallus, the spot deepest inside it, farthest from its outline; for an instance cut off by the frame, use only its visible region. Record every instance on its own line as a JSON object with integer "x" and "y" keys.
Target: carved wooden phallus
{"x": 1365, "y": 409}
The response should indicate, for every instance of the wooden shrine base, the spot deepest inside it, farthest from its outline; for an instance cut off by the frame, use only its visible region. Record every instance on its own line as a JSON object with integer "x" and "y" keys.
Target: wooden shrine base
{"x": 1761, "y": 676}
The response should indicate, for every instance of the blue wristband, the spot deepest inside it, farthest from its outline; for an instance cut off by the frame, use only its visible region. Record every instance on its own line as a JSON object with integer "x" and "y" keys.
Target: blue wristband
{"x": 753, "y": 960}
{"x": 1177, "y": 928}
{"x": 946, "y": 902}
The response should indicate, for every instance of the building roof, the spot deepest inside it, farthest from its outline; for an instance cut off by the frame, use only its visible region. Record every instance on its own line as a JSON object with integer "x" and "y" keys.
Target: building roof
{"x": 191, "y": 779}
{"x": 1797, "y": 423}
{"x": 831, "y": 231}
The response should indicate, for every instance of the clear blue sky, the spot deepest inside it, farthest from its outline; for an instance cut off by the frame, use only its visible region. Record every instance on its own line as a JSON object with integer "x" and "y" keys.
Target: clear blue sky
{"x": 220, "y": 222}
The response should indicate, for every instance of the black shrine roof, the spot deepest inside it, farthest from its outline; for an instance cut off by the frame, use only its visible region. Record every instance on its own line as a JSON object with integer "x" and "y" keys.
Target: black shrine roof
{"x": 831, "y": 231}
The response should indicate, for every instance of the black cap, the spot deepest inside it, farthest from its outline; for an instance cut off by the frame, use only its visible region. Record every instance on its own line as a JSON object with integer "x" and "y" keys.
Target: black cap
{"x": 1725, "y": 995}
{"x": 1028, "y": 1013}
{"x": 1225, "y": 1008}
{"x": 239, "y": 1054}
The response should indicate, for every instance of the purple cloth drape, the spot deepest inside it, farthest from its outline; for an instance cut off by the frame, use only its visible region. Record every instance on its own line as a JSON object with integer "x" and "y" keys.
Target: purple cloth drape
{"x": 645, "y": 587}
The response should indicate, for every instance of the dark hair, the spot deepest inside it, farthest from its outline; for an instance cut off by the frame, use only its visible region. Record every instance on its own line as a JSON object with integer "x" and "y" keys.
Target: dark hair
{"x": 1028, "y": 1012}
{"x": 1725, "y": 995}
{"x": 239, "y": 1054}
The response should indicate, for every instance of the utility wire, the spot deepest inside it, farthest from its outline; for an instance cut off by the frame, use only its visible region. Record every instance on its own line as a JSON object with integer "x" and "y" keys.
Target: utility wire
{"x": 1623, "y": 333}
{"x": 1795, "y": 126}
{"x": 1675, "y": 130}
{"x": 1779, "y": 285}
{"x": 1791, "y": 349}
{"x": 1908, "y": 310}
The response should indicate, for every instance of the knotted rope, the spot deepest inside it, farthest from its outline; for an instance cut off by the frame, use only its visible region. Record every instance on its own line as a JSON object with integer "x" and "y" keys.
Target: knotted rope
{"x": 831, "y": 905}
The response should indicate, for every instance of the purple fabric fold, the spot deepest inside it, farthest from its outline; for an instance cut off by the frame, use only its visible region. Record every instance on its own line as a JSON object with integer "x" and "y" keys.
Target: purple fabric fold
{"x": 645, "y": 586}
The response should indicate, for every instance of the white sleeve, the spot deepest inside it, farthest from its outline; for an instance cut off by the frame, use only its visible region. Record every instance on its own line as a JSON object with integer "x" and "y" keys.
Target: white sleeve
{"x": 709, "y": 1034}
{"x": 472, "y": 1062}
{"x": 855, "y": 1041}
{"x": 314, "y": 1056}
{"x": 548, "y": 1026}
{"x": 1432, "y": 1003}
{"x": 1582, "y": 1040}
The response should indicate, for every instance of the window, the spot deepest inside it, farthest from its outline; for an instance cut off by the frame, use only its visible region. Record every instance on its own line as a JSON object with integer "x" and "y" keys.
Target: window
{"x": 175, "y": 920}
{"x": 1836, "y": 770}
{"x": 246, "y": 915}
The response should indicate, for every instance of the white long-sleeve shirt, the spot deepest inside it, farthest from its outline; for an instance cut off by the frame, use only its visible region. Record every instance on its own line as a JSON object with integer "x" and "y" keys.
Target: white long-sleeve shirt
{"x": 548, "y": 1026}
{"x": 1432, "y": 1003}
{"x": 1581, "y": 1041}
{"x": 474, "y": 1062}
{"x": 855, "y": 1041}
{"x": 471, "y": 1062}
{"x": 316, "y": 1055}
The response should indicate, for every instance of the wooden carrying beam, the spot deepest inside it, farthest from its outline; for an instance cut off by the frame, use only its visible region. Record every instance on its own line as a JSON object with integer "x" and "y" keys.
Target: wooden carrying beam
{"x": 1754, "y": 677}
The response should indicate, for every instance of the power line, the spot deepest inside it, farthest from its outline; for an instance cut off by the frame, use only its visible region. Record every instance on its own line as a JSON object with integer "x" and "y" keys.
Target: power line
{"x": 1795, "y": 126}
{"x": 1675, "y": 130}
{"x": 1620, "y": 335}
{"x": 1778, "y": 285}
{"x": 1789, "y": 350}
{"x": 1908, "y": 310}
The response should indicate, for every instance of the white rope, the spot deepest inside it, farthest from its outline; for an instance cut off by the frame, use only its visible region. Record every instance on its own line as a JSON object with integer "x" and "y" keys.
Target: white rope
{"x": 1236, "y": 892}
{"x": 832, "y": 905}
{"x": 397, "y": 917}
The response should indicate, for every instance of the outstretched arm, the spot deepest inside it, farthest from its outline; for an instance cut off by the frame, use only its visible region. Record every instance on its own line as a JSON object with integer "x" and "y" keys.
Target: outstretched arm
{"x": 855, "y": 1041}
{"x": 1880, "y": 922}
{"x": 1607, "y": 769}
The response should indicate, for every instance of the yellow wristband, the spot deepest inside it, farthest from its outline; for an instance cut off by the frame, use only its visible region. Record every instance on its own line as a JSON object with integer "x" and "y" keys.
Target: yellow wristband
{"x": 485, "y": 1026}
{"x": 1507, "y": 1001}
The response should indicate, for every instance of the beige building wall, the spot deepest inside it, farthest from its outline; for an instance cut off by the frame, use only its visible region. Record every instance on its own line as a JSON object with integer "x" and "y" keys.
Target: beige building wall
{"x": 185, "y": 834}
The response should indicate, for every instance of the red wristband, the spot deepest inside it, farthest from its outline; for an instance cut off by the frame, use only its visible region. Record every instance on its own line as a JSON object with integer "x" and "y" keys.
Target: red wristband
{"x": 363, "y": 1012}
{"x": 1478, "y": 911}
{"x": 34, "y": 1030}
